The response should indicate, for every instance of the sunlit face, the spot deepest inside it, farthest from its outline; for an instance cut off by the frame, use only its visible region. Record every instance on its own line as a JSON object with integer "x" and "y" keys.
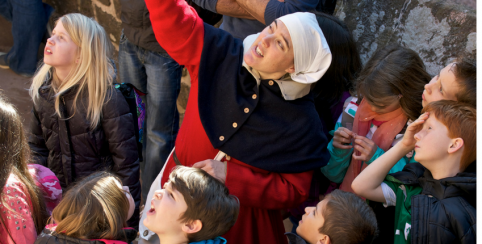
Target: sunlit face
{"x": 132, "y": 204}
{"x": 443, "y": 86}
{"x": 272, "y": 52}
{"x": 311, "y": 222}
{"x": 167, "y": 207}
{"x": 60, "y": 51}
{"x": 433, "y": 142}
{"x": 387, "y": 106}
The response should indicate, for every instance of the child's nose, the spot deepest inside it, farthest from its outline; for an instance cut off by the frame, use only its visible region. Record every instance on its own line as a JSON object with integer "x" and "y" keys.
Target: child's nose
{"x": 158, "y": 195}
{"x": 427, "y": 87}
{"x": 417, "y": 136}
{"x": 308, "y": 209}
{"x": 50, "y": 41}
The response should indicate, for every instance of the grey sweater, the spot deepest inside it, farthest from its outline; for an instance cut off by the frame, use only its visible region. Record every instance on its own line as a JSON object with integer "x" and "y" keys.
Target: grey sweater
{"x": 241, "y": 28}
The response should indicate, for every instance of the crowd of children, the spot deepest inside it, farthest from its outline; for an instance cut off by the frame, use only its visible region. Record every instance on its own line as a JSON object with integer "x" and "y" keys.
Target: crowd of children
{"x": 254, "y": 144}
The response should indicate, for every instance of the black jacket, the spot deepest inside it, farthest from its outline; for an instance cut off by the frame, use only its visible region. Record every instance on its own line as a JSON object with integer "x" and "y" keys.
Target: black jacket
{"x": 72, "y": 150}
{"x": 137, "y": 25}
{"x": 51, "y": 237}
{"x": 445, "y": 210}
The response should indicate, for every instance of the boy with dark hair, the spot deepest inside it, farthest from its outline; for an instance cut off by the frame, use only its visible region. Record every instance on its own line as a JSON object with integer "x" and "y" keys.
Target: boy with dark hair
{"x": 435, "y": 199}
{"x": 342, "y": 217}
{"x": 457, "y": 81}
{"x": 192, "y": 207}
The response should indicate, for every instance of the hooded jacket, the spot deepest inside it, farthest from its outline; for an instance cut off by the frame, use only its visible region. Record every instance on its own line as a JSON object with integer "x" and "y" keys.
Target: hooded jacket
{"x": 445, "y": 210}
{"x": 72, "y": 150}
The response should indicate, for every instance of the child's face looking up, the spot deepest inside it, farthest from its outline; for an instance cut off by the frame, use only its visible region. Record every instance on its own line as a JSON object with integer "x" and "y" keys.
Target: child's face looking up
{"x": 60, "y": 51}
{"x": 432, "y": 143}
{"x": 167, "y": 206}
{"x": 311, "y": 221}
{"x": 390, "y": 104}
{"x": 443, "y": 86}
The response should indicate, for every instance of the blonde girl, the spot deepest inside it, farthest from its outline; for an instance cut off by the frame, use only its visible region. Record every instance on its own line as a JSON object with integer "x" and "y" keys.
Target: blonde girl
{"x": 96, "y": 208}
{"x": 81, "y": 124}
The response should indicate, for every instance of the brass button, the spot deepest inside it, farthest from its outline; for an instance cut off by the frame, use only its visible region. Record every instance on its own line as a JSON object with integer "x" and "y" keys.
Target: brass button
{"x": 254, "y": 96}
{"x": 221, "y": 138}
{"x": 246, "y": 110}
{"x": 235, "y": 125}
{"x": 271, "y": 82}
{"x": 228, "y": 157}
{"x": 146, "y": 232}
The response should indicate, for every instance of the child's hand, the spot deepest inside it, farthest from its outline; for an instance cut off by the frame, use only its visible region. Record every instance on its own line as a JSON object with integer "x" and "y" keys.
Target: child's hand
{"x": 341, "y": 137}
{"x": 408, "y": 140}
{"x": 215, "y": 168}
{"x": 366, "y": 147}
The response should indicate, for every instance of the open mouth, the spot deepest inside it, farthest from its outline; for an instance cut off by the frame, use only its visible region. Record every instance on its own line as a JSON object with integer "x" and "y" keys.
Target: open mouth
{"x": 258, "y": 51}
{"x": 152, "y": 210}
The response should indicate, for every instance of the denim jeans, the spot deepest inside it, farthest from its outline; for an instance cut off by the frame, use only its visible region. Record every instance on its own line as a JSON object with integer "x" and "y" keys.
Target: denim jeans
{"x": 29, "y": 20}
{"x": 159, "y": 76}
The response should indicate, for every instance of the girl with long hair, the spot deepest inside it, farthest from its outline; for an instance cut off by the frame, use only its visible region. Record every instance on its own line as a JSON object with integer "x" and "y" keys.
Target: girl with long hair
{"x": 389, "y": 89}
{"x": 22, "y": 207}
{"x": 81, "y": 123}
{"x": 96, "y": 209}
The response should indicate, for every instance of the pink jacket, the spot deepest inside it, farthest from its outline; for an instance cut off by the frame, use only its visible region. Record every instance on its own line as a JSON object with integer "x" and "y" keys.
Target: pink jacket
{"x": 16, "y": 212}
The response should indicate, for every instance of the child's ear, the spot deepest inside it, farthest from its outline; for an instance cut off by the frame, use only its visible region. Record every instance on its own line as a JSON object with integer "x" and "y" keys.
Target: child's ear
{"x": 192, "y": 226}
{"x": 455, "y": 145}
{"x": 324, "y": 240}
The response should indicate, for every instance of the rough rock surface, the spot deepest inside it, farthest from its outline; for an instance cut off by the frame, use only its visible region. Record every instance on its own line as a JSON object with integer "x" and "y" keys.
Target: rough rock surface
{"x": 438, "y": 30}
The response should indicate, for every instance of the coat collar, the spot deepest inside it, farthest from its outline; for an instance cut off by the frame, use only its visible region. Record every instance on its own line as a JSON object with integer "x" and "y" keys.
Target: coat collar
{"x": 461, "y": 185}
{"x": 294, "y": 238}
{"x": 217, "y": 240}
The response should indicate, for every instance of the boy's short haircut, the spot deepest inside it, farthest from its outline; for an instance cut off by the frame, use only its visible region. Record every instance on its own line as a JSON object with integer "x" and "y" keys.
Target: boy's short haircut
{"x": 461, "y": 121}
{"x": 465, "y": 72}
{"x": 348, "y": 219}
{"x": 207, "y": 199}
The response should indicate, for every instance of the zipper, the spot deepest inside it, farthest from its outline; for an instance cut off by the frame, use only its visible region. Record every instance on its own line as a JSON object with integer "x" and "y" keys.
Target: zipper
{"x": 67, "y": 127}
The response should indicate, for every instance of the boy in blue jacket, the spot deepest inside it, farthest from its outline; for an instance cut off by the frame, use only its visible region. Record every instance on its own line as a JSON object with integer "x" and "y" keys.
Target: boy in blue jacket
{"x": 192, "y": 207}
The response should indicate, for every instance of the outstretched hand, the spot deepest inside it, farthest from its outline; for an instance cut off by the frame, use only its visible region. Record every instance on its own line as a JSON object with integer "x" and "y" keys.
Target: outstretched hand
{"x": 213, "y": 167}
{"x": 408, "y": 139}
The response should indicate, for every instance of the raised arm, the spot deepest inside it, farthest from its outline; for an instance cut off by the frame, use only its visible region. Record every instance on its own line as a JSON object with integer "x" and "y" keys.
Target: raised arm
{"x": 178, "y": 29}
{"x": 224, "y": 7}
{"x": 266, "y": 11}
{"x": 368, "y": 183}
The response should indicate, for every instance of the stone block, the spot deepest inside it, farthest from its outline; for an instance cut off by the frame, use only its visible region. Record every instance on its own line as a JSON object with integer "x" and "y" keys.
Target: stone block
{"x": 438, "y": 31}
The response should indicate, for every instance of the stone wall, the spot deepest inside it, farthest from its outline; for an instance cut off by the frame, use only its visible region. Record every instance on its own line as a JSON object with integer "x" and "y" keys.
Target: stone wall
{"x": 106, "y": 12}
{"x": 438, "y": 30}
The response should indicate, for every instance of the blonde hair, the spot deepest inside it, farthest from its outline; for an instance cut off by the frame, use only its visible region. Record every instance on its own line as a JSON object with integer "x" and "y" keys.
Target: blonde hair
{"x": 93, "y": 72}
{"x": 95, "y": 208}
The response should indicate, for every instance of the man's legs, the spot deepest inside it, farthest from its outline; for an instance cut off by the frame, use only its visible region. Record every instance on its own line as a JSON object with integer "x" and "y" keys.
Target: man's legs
{"x": 160, "y": 77}
{"x": 162, "y": 117}
{"x": 29, "y": 20}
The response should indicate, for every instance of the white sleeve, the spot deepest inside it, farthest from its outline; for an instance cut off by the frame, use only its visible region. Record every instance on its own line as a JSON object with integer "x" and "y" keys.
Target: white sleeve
{"x": 389, "y": 194}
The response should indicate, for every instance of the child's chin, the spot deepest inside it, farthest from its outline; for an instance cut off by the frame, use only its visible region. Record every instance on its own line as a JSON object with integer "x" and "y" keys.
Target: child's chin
{"x": 146, "y": 222}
